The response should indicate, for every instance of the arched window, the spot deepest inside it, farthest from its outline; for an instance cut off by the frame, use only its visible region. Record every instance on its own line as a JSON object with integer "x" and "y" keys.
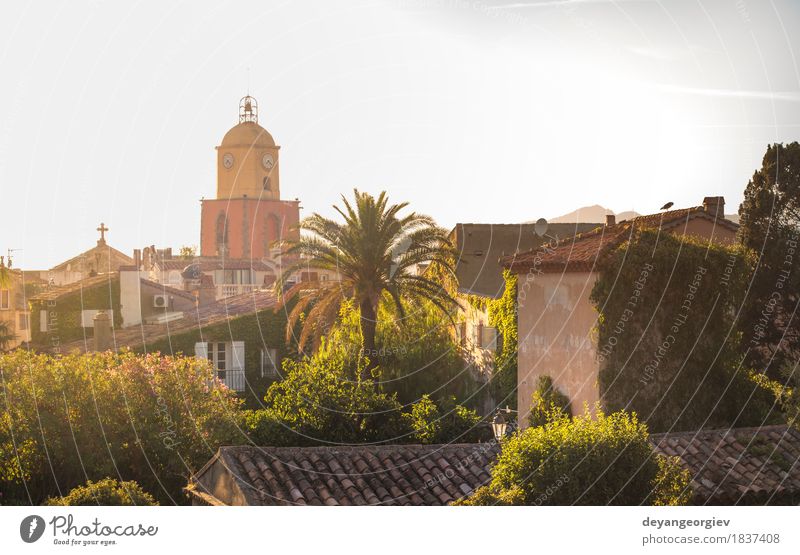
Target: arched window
{"x": 222, "y": 233}
{"x": 271, "y": 232}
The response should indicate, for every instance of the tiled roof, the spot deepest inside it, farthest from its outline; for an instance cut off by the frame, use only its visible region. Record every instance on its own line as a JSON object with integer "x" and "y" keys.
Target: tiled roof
{"x": 734, "y": 466}
{"x": 362, "y": 475}
{"x": 481, "y": 245}
{"x": 167, "y": 289}
{"x": 581, "y": 252}
{"x": 59, "y": 291}
{"x": 739, "y": 465}
{"x": 214, "y": 263}
{"x": 216, "y": 312}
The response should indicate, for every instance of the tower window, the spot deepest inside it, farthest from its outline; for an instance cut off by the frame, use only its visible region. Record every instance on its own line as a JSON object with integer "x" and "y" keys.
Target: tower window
{"x": 222, "y": 234}
{"x": 267, "y": 186}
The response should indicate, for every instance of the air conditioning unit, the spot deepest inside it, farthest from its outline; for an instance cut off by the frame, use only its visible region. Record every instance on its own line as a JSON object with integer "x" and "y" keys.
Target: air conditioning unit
{"x": 161, "y": 301}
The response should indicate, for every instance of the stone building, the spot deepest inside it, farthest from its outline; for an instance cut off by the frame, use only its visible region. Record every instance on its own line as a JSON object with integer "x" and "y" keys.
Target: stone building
{"x": 555, "y": 316}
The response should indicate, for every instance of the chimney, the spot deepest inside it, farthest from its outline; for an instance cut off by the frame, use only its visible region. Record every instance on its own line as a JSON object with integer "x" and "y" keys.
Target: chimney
{"x": 102, "y": 331}
{"x": 611, "y": 219}
{"x": 714, "y": 206}
{"x": 137, "y": 258}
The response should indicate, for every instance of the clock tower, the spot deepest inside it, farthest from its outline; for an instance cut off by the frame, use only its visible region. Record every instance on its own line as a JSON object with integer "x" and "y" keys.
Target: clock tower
{"x": 247, "y": 218}
{"x": 247, "y": 159}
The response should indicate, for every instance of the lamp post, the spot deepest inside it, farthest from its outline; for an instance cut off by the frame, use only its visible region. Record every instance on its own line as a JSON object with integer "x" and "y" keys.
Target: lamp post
{"x": 501, "y": 421}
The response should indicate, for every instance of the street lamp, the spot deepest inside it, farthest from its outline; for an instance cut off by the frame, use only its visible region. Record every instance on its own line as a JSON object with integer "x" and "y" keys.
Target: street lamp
{"x": 500, "y": 422}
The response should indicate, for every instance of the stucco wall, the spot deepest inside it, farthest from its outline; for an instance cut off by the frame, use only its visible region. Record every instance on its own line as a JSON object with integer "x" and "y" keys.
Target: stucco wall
{"x": 556, "y": 319}
{"x": 556, "y": 323}
{"x": 253, "y": 225}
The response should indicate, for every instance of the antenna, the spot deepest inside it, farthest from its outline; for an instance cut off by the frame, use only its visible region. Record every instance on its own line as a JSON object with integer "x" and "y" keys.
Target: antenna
{"x": 9, "y": 251}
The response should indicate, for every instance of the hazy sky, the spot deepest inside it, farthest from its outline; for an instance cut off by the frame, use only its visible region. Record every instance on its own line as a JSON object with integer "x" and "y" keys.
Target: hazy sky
{"x": 473, "y": 111}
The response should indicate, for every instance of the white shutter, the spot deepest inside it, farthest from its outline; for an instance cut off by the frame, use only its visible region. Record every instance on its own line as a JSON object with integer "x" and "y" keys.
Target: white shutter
{"x": 237, "y": 356}
{"x": 201, "y": 350}
{"x": 43, "y": 321}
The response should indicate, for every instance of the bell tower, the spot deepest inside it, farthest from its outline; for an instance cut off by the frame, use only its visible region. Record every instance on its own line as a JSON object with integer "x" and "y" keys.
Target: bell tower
{"x": 247, "y": 219}
{"x": 247, "y": 158}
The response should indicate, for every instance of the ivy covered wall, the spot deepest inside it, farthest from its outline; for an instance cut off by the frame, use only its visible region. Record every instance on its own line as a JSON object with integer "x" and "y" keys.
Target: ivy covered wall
{"x": 259, "y": 330}
{"x": 503, "y": 316}
{"x": 667, "y": 342}
{"x": 64, "y": 313}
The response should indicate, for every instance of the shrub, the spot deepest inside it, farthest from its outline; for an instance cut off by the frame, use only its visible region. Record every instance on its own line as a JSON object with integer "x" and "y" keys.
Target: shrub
{"x": 66, "y": 419}
{"x": 546, "y": 402}
{"x": 587, "y": 460}
{"x": 105, "y": 492}
{"x": 324, "y": 399}
{"x": 452, "y": 424}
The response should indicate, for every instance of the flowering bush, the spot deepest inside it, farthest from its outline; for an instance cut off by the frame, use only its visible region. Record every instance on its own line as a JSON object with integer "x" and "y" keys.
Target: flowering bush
{"x": 66, "y": 419}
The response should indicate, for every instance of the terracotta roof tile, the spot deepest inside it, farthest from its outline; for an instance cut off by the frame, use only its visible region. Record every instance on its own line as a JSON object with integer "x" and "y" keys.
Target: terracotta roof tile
{"x": 582, "y": 252}
{"x": 734, "y": 466}
{"x": 740, "y": 465}
{"x": 364, "y": 475}
{"x": 219, "y": 311}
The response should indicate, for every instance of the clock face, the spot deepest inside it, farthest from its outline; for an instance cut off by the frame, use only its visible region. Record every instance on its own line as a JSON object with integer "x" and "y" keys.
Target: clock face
{"x": 227, "y": 160}
{"x": 267, "y": 161}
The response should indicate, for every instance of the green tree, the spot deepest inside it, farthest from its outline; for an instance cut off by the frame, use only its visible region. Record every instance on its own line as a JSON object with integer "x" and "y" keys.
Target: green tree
{"x": 376, "y": 253}
{"x": 588, "y": 460}
{"x": 324, "y": 399}
{"x": 107, "y": 492}
{"x": 545, "y": 401}
{"x": 188, "y": 252}
{"x": 68, "y": 419}
{"x": 452, "y": 423}
{"x": 770, "y": 226}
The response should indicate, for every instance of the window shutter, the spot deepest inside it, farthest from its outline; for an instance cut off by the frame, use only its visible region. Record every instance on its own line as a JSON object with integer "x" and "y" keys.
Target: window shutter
{"x": 43, "y": 321}
{"x": 237, "y": 355}
{"x": 201, "y": 350}
{"x": 269, "y": 363}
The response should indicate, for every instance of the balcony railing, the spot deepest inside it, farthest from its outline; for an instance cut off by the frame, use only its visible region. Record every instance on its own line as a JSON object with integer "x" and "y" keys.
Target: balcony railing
{"x": 230, "y": 289}
{"x": 234, "y": 379}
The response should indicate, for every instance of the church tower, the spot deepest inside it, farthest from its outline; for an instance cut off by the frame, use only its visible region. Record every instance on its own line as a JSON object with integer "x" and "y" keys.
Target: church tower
{"x": 247, "y": 218}
{"x": 247, "y": 159}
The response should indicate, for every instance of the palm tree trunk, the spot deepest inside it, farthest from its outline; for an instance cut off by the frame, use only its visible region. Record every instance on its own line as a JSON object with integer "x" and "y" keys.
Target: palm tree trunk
{"x": 368, "y": 325}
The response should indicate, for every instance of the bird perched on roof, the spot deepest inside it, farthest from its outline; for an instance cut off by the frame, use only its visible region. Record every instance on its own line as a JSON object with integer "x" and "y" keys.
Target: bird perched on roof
{"x": 667, "y": 206}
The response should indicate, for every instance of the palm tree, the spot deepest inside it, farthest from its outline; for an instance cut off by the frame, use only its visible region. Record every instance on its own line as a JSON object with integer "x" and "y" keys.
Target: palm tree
{"x": 376, "y": 254}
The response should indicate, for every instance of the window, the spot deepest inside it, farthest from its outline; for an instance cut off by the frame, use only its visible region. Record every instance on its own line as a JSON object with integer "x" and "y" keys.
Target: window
{"x": 5, "y": 299}
{"x": 227, "y": 358}
{"x": 461, "y": 334}
{"x": 267, "y": 186}
{"x": 269, "y": 363}
{"x": 489, "y": 338}
{"x": 24, "y": 321}
{"x": 222, "y": 233}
